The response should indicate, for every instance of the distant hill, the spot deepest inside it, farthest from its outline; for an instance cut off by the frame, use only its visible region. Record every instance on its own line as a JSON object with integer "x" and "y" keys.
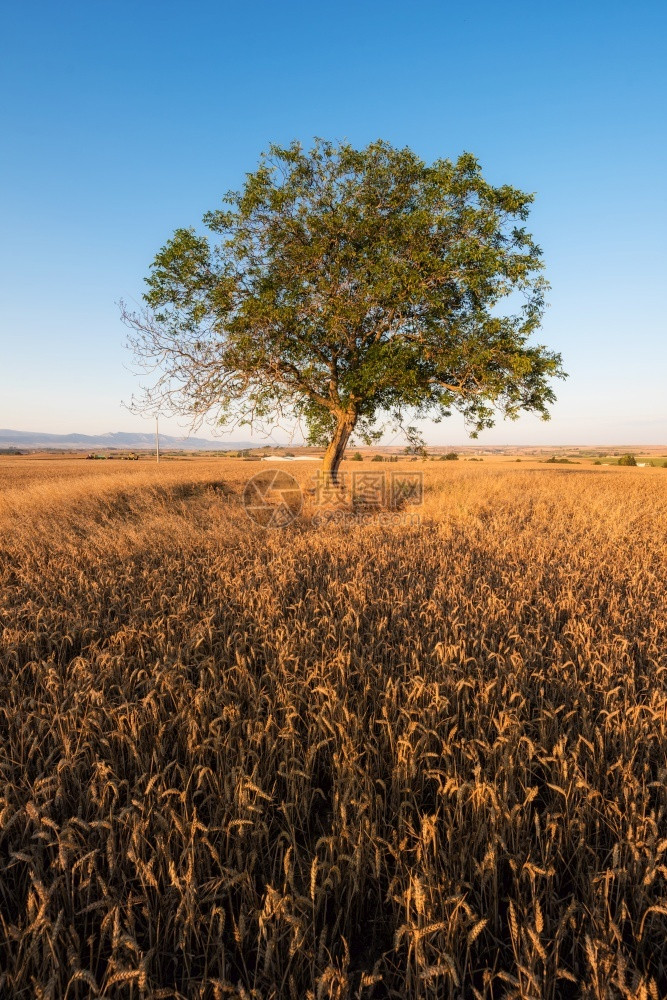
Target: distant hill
{"x": 120, "y": 440}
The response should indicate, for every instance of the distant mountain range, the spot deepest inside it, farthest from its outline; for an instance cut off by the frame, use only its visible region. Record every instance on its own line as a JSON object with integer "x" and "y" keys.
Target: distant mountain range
{"x": 133, "y": 442}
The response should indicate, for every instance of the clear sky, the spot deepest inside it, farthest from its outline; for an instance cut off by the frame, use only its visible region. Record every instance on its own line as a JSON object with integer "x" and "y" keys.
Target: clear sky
{"x": 121, "y": 121}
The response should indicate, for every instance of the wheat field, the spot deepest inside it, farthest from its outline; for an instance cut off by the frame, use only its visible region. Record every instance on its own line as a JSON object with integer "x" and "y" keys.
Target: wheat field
{"x": 357, "y": 760}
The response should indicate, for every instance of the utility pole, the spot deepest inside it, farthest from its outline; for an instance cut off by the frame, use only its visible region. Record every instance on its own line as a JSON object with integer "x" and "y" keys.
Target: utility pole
{"x": 157, "y": 439}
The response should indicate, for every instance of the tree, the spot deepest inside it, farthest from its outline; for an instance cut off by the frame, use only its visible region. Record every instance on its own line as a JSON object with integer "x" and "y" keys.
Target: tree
{"x": 344, "y": 287}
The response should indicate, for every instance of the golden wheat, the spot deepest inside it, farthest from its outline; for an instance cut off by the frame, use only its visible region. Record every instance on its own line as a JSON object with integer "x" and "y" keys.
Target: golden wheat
{"x": 360, "y": 761}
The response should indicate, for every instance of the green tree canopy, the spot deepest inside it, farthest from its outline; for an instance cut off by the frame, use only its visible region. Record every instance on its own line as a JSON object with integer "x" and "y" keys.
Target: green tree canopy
{"x": 345, "y": 287}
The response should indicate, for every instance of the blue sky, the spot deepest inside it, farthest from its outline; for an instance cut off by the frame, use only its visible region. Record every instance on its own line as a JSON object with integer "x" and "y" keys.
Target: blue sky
{"x": 122, "y": 121}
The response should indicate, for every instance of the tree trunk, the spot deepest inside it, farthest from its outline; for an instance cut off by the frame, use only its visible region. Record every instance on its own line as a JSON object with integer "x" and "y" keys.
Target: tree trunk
{"x": 336, "y": 448}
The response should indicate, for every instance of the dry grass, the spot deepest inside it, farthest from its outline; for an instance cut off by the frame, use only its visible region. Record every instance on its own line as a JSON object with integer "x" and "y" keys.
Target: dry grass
{"x": 348, "y": 762}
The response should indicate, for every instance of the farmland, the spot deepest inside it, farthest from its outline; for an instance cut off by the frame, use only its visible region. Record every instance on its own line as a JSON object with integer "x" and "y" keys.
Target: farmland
{"x": 361, "y": 760}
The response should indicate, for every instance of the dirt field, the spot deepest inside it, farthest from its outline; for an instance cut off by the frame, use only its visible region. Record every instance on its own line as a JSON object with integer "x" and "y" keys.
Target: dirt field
{"x": 412, "y": 758}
